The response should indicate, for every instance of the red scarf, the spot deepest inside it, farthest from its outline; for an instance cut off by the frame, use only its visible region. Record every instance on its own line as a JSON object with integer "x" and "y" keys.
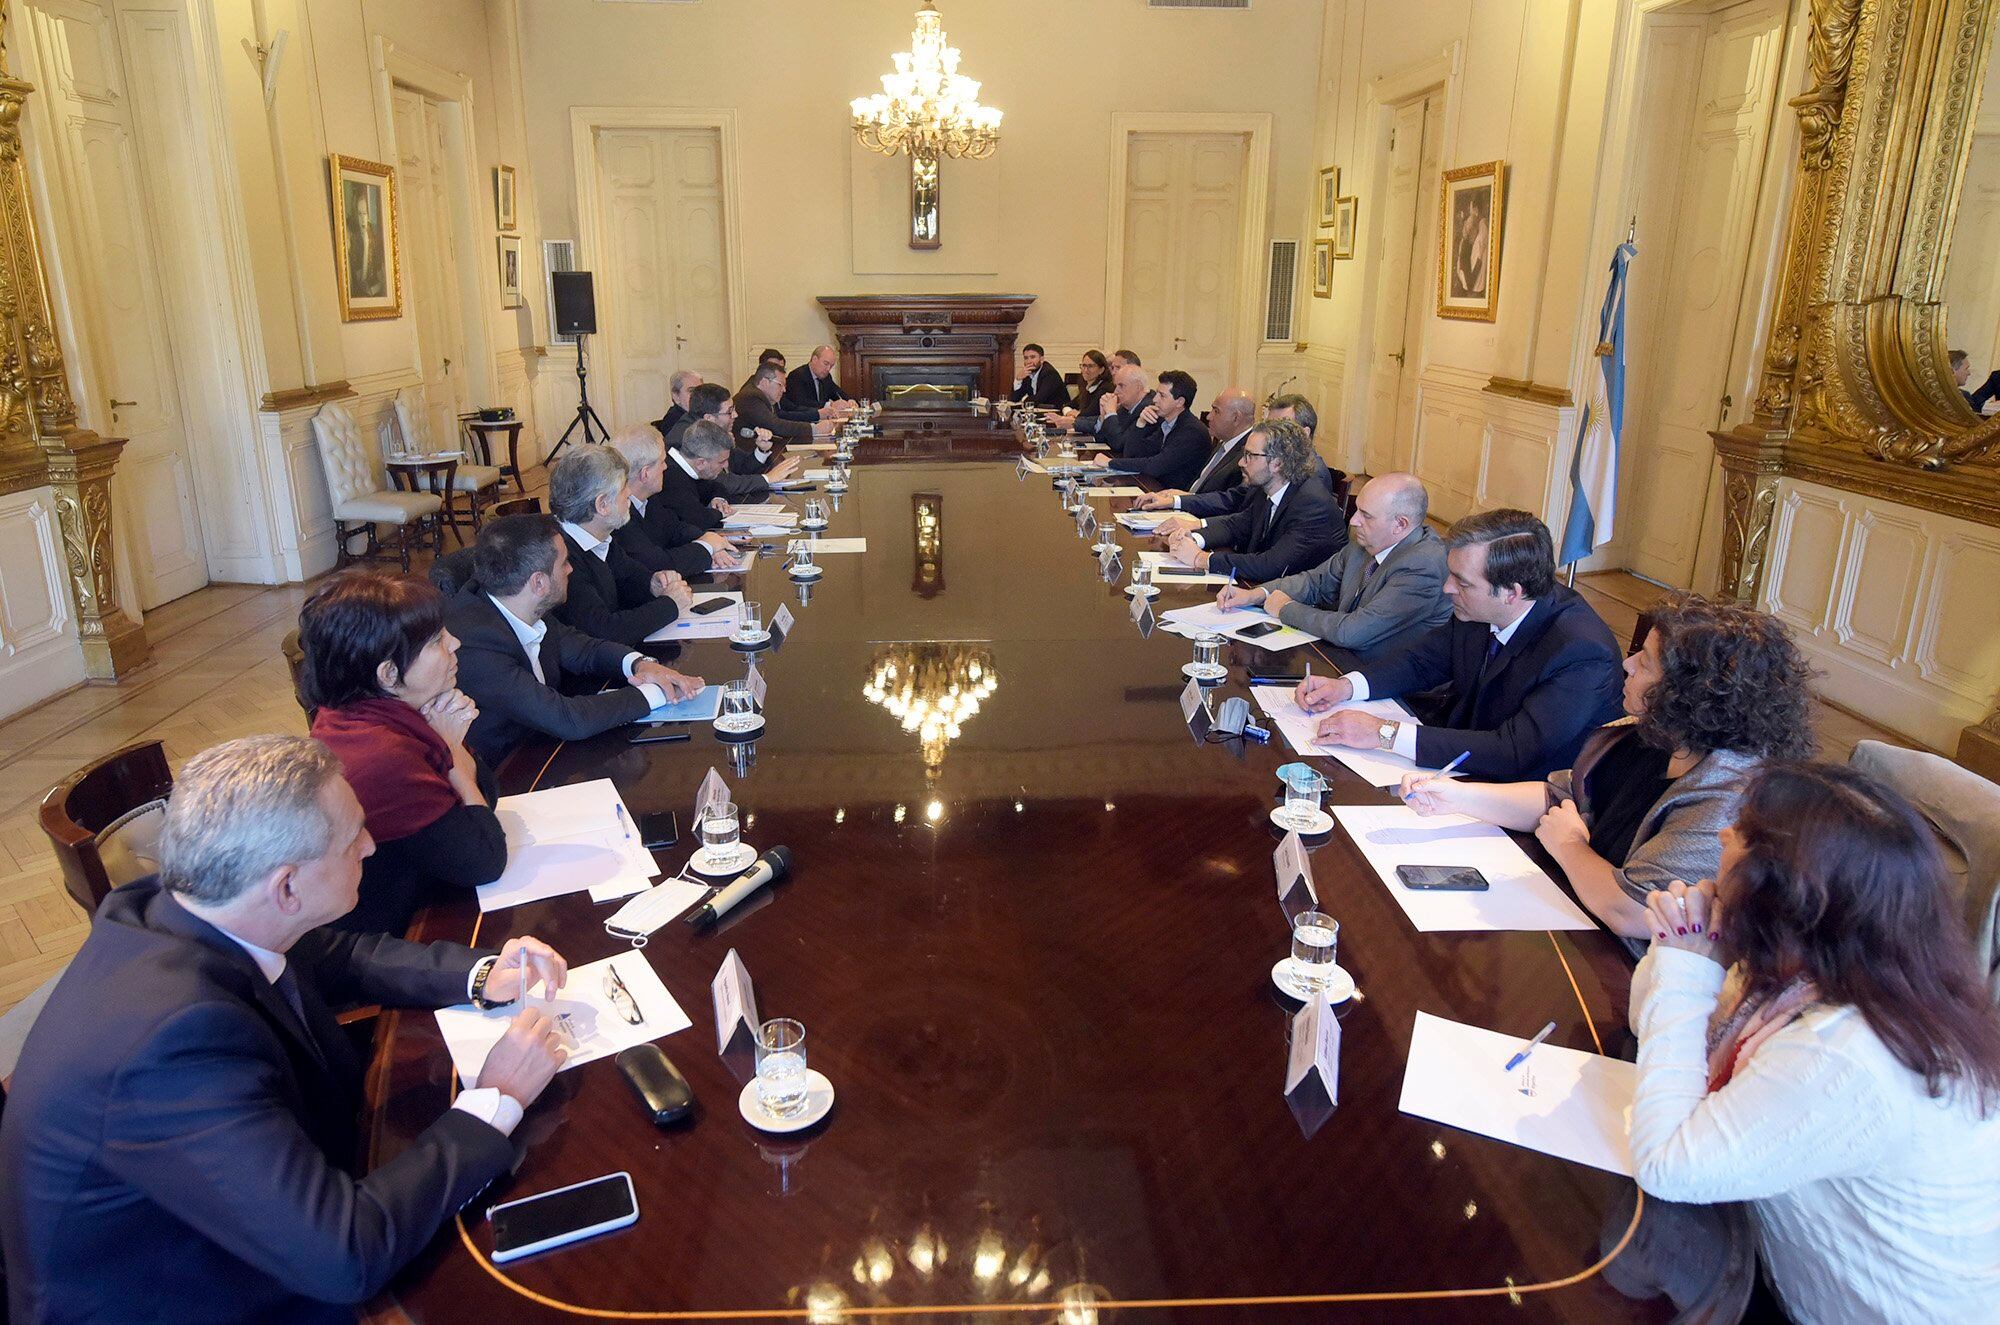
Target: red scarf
{"x": 395, "y": 761}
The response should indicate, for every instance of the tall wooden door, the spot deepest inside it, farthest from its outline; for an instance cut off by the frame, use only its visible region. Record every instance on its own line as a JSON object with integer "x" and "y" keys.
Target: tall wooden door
{"x": 663, "y": 286}
{"x": 430, "y": 261}
{"x": 1401, "y": 251}
{"x": 108, "y": 179}
{"x": 1693, "y": 280}
{"x": 1183, "y": 253}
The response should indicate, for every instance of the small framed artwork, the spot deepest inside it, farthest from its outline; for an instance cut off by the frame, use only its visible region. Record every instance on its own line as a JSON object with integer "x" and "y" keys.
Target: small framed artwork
{"x": 1322, "y": 269}
{"x": 1472, "y": 213}
{"x": 506, "y": 212}
{"x": 510, "y": 271}
{"x": 1329, "y": 194}
{"x": 1344, "y": 211}
{"x": 364, "y": 238}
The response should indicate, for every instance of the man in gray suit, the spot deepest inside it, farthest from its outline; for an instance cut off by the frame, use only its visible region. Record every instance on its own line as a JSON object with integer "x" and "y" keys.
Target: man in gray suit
{"x": 1385, "y": 587}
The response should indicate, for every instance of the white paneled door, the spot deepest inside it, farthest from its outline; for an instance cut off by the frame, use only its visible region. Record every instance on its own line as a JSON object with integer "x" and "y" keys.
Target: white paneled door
{"x": 1693, "y": 285}
{"x": 1401, "y": 250}
{"x": 430, "y": 260}
{"x": 125, "y": 314}
{"x": 663, "y": 281}
{"x": 1183, "y": 250}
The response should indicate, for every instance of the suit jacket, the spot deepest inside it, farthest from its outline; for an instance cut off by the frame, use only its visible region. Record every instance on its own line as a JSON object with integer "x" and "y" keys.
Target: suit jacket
{"x": 493, "y": 669}
{"x": 1211, "y": 501}
{"x": 665, "y": 423}
{"x": 1047, "y": 388}
{"x": 1343, "y": 604}
{"x": 1171, "y": 457}
{"x": 1228, "y": 471}
{"x": 743, "y": 480}
{"x": 1090, "y": 400}
{"x": 754, "y": 412}
{"x": 1113, "y": 425}
{"x": 804, "y": 392}
{"x": 660, "y": 540}
{"x": 1556, "y": 681}
{"x": 1260, "y": 544}
{"x": 613, "y": 598}
{"x": 687, "y": 498}
{"x": 180, "y": 1146}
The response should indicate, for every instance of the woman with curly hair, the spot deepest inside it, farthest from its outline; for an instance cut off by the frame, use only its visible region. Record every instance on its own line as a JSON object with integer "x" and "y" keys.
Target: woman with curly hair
{"x": 1714, "y": 690}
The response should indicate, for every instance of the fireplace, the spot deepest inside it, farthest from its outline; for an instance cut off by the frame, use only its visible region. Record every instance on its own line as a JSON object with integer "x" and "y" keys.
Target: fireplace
{"x": 926, "y": 351}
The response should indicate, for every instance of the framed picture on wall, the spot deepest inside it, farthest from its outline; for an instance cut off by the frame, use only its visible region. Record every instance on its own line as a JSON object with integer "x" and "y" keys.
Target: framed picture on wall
{"x": 1344, "y": 212}
{"x": 510, "y": 271}
{"x": 1322, "y": 269}
{"x": 1329, "y": 194}
{"x": 364, "y": 238}
{"x": 506, "y": 213}
{"x": 1472, "y": 212}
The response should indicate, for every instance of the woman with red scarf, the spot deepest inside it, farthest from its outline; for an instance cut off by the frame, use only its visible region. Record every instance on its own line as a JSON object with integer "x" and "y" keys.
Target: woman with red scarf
{"x": 1815, "y": 1038}
{"x": 382, "y": 671}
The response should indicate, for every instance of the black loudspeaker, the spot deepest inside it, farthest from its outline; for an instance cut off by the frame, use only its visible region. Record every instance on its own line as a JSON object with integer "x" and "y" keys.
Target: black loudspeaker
{"x": 576, "y": 303}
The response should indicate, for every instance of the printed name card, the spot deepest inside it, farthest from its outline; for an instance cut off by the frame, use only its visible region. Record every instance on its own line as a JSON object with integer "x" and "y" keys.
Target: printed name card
{"x": 712, "y": 791}
{"x": 1086, "y": 519}
{"x": 1294, "y": 867}
{"x": 1315, "y": 1049}
{"x": 1142, "y": 615}
{"x": 781, "y": 625}
{"x": 1194, "y": 710}
{"x": 1108, "y": 562}
{"x": 757, "y": 687}
{"x": 735, "y": 1003}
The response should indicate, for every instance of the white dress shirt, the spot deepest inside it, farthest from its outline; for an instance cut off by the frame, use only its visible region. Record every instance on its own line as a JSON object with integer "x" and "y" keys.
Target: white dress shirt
{"x": 531, "y": 638}
{"x": 589, "y": 542}
{"x": 1215, "y": 460}
{"x": 1406, "y": 732}
{"x": 681, "y": 460}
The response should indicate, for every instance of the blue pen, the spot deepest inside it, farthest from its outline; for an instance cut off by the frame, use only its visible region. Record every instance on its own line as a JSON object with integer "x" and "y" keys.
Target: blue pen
{"x": 1445, "y": 772}
{"x": 1522, "y": 1057}
{"x": 622, "y": 823}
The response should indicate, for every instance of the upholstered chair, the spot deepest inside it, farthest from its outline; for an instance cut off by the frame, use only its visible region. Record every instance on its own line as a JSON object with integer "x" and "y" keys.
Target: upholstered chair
{"x": 480, "y": 484}
{"x": 362, "y": 503}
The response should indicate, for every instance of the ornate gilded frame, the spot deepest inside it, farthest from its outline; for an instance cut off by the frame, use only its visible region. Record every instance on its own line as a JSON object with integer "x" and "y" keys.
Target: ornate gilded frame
{"x": 1494, "y": 174}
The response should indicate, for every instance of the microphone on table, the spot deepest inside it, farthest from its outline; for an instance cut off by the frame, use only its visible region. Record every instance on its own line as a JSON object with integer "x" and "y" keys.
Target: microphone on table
{"x": 772, "y": 866}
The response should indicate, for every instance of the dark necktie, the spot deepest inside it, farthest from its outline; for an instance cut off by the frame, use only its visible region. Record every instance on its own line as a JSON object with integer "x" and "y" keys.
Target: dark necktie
{"x": 288, "y": 985}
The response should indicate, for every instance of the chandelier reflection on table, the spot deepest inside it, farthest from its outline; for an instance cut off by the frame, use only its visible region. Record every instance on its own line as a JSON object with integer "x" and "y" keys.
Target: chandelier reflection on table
{"x": 933, "y": 689}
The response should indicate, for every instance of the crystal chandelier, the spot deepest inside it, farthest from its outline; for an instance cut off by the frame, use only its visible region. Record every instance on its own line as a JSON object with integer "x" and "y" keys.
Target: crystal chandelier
{"x": 927, "y": 108}
{"x": 932, "y": 689}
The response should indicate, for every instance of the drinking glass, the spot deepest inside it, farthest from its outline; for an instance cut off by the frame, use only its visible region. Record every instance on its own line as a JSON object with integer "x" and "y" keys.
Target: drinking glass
{"x": 749, "y": 620}
{"x": 719, "y": 830}
{"x": 802, "y": 560}
{"x": 1142, "y": 575}
{"x": 1208, "y": 657}
{"x": 815, "y": 512}
{"x": 1066, "y": 449}
{"x": 1302, "y": 796}
{"x": 781, "y": 1067}
{"x": 739, "y": 707}
{"x": 1315, "y": 940}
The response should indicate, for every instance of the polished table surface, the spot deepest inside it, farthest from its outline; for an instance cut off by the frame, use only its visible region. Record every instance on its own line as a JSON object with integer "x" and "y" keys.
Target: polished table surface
{"x": 1036, "y": 968}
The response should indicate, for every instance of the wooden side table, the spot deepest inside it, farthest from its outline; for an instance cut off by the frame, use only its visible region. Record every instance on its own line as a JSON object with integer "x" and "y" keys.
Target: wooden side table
{"x": 429, "y": 473}
{"x": 479, "y": 435}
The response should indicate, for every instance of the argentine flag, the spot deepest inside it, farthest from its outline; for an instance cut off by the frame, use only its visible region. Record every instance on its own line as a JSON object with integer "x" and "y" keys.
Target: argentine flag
{"x": 1593, "y": 471}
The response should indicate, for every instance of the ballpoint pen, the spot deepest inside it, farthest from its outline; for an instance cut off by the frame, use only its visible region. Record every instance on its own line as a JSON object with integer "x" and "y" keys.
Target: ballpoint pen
{"x": 1446, "y": 771}
{"x": 623, "y": 823}
{"x": 1529, "y": 1048}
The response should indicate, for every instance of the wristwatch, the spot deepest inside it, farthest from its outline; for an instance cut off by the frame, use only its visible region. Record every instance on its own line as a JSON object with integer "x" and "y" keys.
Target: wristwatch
{"x": 1385, "y": 735}
{"x": 480, "y": 974}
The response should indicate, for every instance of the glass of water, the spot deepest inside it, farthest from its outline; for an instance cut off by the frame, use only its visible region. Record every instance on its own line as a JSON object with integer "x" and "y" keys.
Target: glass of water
{"x": 739, "y": 707}
{"x": 749, "y": 620}
{"x": 1303, "y": 789}
{"x": 1315, "y": 941}
{"x": 802, "y": 559}
{"x": 815, "y": 513}
{"x": 781, "y": 1067}
{"x": 1208, "y": 657}
{"x": 1142, "y": 576}
{"x": 719, "y": 831}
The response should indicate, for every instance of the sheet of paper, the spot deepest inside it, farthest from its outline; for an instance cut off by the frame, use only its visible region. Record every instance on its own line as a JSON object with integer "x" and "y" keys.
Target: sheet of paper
{"x": 735, "y": 1001}
{"x": 1379, "y": 768}
{"x": 1143, "y": 522}
{"x": 781, "y": 622}
{"x": 719, "y": 624}
{"x": 612, "y": 890}
{"x": 1562, "y": 1102}
{"x": 809, "y": 446}
{"x": 822, "y": 546}
{"x": 1315, "y": 1048}
{"x": 746, "y": 510}
{"x": 1230, "y": 623}
{"x": 1179, "y": 574}
{"x": 565, "y": 840}
{"x": 592, "y": 1022}
{"x": 1033, "y": 467}
{"x": 1114, "y": 492}
{"x": 816, "y": 475}
{"x": 1518, "y": 894}
{"x": 701, "y": 707}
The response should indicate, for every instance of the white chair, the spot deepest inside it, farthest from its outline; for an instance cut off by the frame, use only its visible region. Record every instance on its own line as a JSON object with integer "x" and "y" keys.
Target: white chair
{"x": 479, "y": 483}
{"x": 362, "y": 503}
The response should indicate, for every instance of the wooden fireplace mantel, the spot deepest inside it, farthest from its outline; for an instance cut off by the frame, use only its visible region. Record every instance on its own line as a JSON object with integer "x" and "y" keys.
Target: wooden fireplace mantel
{"x": 948, "y": 331}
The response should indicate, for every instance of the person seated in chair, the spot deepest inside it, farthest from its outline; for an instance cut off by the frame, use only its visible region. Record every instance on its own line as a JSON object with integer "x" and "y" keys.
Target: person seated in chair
{"x": 678, "y": 387}
{"x": 611, "y": 595}
{"x": 754, "y": 465}
{"x": 1173, "y": 445}
{"x": 1292, "y": 527}
{"x": 514, "y": 658}
{"x": 381, "y": 671}
{"x": 760, "y": 429}
{"x": 655, "y": 537}
{"x": 810, "y": 388}
{"x": 183, "y": 1134}
{"x": 688, "y": 486}
{"x": 1041, "y": 382}
{"x": 1528, "y": 670}
{"x": 1211, "y": 500}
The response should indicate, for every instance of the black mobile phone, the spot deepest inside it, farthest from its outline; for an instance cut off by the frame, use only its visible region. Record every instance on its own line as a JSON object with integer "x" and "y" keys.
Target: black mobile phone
{"x": 1442, "y": 878}
{"x": 712, "y": 605}
{"x": 567, "y": 1214}
{"x": 1171, "y": 571}
{"x": 660, "y": 736}
{"x": 1258, "y": 631}
{"x": 1264, "y": 676}
{"x": 660, "y": 830}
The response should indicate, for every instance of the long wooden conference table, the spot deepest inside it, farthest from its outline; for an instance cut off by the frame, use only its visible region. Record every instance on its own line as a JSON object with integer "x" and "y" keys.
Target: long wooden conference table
{"x": 1034, "y": 959}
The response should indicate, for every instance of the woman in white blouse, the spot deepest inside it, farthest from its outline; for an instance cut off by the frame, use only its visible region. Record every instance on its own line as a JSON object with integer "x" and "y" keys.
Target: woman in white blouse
{"x": 1815, "y": 1039}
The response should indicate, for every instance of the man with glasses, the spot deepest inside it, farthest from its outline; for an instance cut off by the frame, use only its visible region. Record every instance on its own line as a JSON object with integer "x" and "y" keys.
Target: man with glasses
{"x": 1290, "y": 524}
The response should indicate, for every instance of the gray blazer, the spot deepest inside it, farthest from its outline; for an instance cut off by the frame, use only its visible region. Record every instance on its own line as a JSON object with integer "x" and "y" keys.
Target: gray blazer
{"x": 1404, "y": 597}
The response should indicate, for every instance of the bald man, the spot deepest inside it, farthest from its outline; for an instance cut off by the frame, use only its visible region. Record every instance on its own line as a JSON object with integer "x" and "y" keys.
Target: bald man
{"x": 1381, "y": 591}
{"x": 810, "y": 386}
{"x": 1230, "y": 417}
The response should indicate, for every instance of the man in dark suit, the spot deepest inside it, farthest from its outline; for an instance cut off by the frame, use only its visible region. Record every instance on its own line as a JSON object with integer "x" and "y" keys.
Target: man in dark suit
{"x": 182, "y": 1137}
{"x": 514, "y": 661}
{"x": 655, "y": 537}
{"x": 1212, "y": 500}
{"x": 1171, "y": 448}
{"x": 1381, "y": 591}
{"x": 1528, "y": 669}
{"x": 610, "y": 595}
{"x": 810, "y": 386}
{"x": 757, "y": 412}
{"x": 1230, "y": 417}
{"x": 1291, "y": 525}
{"x": 678, "y": 387}
{"x": 755, "y": 463}
{"x": 688, "y": 487}
{"x": 1117, "y": 423}
{"x": 1041, "y": 382}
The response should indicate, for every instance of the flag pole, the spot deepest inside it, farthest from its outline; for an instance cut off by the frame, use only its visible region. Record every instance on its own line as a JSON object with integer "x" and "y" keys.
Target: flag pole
{"x": 1631, "y": 238}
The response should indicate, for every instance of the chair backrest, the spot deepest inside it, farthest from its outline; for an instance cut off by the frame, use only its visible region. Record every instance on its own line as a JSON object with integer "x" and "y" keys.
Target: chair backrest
{"x": 90, "y": 819}
{"x": 517, "y": 506}
{"x": 1964, "y": 811}
{"x": 452, "y": 571}
{"x": 350, "y": 470}
{"x": 413, "y": 422}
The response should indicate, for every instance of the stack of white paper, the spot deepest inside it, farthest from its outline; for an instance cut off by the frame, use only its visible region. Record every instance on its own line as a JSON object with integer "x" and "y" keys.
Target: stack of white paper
{"x": 1176, "y": 573}
{"x": 1518, "y": 894}
{"x": 770, "y": 517}
{"x": 1141, "y": 522}
{"x": 825, "y": 545}
{"x": 564, "y": 840}
{"x": 1114, "y": 492}
{"x": 1229, "y": 622}
{"x": 1381, "y": 768}
{"x": 719, "y": 624}
{"x": 1562, "y": 1102}
{"x": 817, "y": 475}
{"x": 593, "y": 1022}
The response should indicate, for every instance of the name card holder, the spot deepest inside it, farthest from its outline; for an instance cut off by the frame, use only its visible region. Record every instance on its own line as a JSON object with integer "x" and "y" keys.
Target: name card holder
{"x": 757, "y": 686}
{"x": 1293, "y": 867}
{"x": 781, "y": 625}
{"x": 1194, "y": 709}
{"x": 1142, "y": 615}
{"x": 735, "y": 1004}
{"x": 1109, "y": 563}
{"x": 712, "y": 791}
{"x": 1315, "y": 1053}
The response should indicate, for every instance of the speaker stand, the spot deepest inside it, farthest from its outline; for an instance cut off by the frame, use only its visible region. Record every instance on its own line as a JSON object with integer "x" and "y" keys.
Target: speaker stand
{"x": 586, "y": 418}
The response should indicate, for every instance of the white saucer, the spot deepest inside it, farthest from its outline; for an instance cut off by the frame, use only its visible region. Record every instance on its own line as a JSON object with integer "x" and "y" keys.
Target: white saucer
{"x": 1145, "y": 590}
{"x": 814, "y": 525}
{"x": 819, "y": 1102}
{"x": 1206, "y": 673}
{"x": 1322, "y": 823}
{"x": 811, "y": 572}
{"x": 1340, "y": 988}
{"x": 702, "y": 863}
{"x": 742, "y": 733}
{"x": 751, "y": 641}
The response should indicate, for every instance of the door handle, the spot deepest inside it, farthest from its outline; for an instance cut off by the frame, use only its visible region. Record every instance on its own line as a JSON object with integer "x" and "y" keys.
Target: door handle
{"x": 1398, "y": 356}
{"x": 120, "y": 404}
{"x": 447, "y": 365}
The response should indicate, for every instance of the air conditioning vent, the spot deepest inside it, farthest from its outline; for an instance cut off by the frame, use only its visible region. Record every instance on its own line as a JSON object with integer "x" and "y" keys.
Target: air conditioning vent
{"x": 1282, "y": 290}
{"x": 1197, "y": 4}
{"x": 557, "y": 255}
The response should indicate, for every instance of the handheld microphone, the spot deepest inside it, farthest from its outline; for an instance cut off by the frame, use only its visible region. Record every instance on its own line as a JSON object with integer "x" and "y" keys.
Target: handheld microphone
{"x": 772, "y": 866}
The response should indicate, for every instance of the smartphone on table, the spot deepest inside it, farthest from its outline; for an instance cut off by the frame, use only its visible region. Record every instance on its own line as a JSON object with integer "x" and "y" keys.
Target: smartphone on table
{"x": 565, "y": 1215}
{"x": 1442, "y": 878}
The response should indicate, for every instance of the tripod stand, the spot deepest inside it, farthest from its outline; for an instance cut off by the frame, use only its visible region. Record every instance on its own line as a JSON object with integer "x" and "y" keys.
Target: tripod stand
{"x": 586, "y": 417}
